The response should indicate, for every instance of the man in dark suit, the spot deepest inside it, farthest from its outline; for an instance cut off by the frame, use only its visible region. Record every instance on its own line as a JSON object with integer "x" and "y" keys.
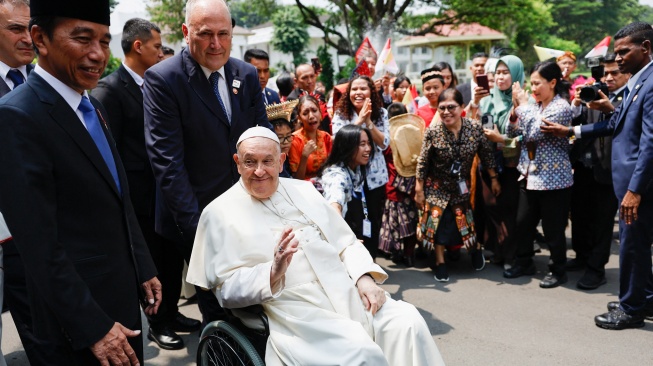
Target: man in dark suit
{"x": 631, "y": 128}
{"x": 477, "y": 68}
{"x": 197, "y": 104}
{"x": 65, "y": 196}
{"x": 593, "y": 203}
{"x": 261, "y": 60}
{"x": 16, "y": 55}
{"x": 121, "y": 95}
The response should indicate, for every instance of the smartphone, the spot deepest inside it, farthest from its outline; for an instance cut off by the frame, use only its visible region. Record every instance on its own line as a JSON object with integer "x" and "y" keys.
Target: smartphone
{"x": 481, "y": 80}
{"x": 487, "y": 120}
{"x": 317, "y": 66}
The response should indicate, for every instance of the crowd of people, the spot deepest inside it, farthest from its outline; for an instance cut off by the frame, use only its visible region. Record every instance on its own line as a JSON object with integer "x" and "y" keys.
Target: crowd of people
{"x": 194, "y": 158}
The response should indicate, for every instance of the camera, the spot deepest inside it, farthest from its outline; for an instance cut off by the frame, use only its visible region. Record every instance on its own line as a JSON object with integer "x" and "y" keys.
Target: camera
{"x": 591, "y": 92}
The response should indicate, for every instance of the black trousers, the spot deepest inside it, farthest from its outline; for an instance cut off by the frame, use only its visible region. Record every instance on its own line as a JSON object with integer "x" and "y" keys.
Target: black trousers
{"x": 375, "y": 201}
{"x": 39, "y": 351}
{"x": 593, "y": 207}
{"x": 552, "y": 207}
{"x": 169, "y": 263}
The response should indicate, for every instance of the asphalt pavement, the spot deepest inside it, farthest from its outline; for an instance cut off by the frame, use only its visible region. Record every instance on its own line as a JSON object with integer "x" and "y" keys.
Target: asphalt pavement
{"x": 478, "y": 318}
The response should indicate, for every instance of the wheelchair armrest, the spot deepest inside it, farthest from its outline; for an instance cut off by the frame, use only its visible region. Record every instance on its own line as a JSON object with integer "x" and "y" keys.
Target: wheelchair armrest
{"x": 253, "y": 317}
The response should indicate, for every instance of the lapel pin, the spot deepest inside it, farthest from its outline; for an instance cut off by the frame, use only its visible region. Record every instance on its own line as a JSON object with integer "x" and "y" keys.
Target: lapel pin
{"x": 635, "y": 97}
{"x": 236, "y": 85}
{"x": 235, "y": 91}
{"x": 637, "y": 86}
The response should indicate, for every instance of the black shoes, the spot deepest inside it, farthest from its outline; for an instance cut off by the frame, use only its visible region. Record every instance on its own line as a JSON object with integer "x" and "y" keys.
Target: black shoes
{"x": 441, "y": 274}
{"x": 181, "y": 323}
{"x": 574, "y": 265}
{"x": 165, "y": 337}
{"x": 478, "y": 259}
{"x": 409, "y": 260}
{"x": 647, "y": 312}
{"x": 552, "y": 280}
{"x": 519, "y": 270}
{"x": 591, "y": 281}
{"x": 617, "y": 319}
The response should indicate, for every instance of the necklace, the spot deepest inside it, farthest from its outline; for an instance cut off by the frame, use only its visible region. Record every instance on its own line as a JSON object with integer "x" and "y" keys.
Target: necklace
{"x": 306, "y": 221}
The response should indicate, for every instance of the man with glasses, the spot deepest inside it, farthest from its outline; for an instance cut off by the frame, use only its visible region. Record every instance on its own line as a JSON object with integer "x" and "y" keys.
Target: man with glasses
{"x": 593, "y": 203}
{"x": 196, "y": 105}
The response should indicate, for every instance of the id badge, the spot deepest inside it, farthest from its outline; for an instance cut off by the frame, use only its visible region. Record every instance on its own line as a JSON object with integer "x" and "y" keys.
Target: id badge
{"x": 462, "y": 187}
{"x": 367, "y": 228}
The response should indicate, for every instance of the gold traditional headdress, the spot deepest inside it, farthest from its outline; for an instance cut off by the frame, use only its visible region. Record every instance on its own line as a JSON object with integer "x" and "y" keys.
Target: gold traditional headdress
{"x": 281, "y": 110}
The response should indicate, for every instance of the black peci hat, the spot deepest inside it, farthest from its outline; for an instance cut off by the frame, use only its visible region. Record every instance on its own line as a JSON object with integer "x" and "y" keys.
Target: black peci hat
{"x": 96, "y": 11}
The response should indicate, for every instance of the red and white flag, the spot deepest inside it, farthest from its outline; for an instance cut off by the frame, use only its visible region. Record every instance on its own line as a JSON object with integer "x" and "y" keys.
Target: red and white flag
{"x": 364, "y": 49}
{"x": 601, "y": 49}
{"x": 387, "y": 60}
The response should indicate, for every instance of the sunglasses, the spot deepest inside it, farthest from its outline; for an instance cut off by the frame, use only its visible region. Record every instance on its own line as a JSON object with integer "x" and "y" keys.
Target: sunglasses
{"x": 450, "y": 107}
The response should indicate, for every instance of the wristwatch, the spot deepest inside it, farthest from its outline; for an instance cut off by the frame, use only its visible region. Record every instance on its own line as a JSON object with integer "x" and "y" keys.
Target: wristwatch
{"x": 570, "y": 132}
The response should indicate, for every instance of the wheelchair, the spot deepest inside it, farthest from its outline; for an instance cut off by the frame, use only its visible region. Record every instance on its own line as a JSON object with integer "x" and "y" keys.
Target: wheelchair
{"x": 239, "y": 341}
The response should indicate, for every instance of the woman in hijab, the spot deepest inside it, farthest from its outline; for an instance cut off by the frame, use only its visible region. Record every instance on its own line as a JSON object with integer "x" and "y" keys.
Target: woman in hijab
{"x": 495, "y": 111}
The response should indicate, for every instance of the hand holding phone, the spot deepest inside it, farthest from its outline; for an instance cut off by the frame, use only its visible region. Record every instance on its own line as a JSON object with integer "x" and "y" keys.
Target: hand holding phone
{"x": 482, "y": 81}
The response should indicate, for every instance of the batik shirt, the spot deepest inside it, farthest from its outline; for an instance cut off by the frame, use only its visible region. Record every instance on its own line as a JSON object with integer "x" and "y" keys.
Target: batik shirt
{"x": 440, "y": 149}
{"x": 339, "y": 183}
{"x": 550, "y": 169}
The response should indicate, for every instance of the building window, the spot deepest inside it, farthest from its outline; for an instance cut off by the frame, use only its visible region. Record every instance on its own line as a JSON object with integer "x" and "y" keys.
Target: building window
{"x": 402, "y": 50}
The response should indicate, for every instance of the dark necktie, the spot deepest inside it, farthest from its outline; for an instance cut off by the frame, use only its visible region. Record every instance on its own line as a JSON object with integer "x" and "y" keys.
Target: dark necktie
{"x": 97, "y": 134}
{"x": 215, "y": 77}
{"x": 611, "y": 96}
{"x": 16, "y": 77}
{"x": 626, "y": 92}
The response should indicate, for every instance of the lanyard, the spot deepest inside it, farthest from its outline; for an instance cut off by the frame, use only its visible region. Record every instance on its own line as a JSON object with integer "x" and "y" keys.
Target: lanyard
{"x": 362, "y": 194}
{"x": 455, "y": 145}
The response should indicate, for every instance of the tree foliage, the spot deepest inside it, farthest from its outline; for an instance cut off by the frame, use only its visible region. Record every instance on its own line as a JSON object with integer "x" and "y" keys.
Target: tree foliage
{"x": 113, "y": 4}
{"x": 326, "y": 75}
{"x": 112, "y": 65}
{"x": 250, "y": 13}
{"x": 290, "y": 33}
{"x": 169, "y": 16}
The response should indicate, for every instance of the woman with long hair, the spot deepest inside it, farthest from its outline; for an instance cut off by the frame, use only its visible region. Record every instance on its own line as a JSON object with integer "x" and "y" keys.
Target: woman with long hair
{"x": 361, "y": 105}
{"x": 545, "y": 189}
{"x": 343, "y": 173}
{"x": 443, "y": 177}
{"x": 400, "y": 86}
{"x": 310, "y": 145}
{"x": 450, "y": 78}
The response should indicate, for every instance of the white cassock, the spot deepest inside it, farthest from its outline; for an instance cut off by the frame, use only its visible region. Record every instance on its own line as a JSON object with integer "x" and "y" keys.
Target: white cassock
{"x": 315, "y": 313}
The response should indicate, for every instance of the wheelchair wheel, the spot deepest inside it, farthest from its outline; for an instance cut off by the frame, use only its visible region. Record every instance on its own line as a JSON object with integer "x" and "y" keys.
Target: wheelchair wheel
{"x": 222, "y": 344}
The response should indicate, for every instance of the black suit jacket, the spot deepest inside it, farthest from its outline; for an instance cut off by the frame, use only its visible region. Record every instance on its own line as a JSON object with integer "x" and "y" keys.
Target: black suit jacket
{"x": 123, "y": 100}
{"x": 78, "y": 237}
{"x": 190, "y": 142}
{"x": 4, "y": 88}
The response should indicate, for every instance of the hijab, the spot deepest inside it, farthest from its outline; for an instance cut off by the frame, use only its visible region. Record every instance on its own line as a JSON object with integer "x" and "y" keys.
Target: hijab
{"x": 499, "y": 102}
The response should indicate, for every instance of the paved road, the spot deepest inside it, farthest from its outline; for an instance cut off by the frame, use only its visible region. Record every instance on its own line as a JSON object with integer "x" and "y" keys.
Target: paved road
{"x": 479, "y": 318}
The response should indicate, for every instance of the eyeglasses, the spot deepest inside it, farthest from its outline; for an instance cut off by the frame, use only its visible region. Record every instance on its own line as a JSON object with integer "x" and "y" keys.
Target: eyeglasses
{"x": 450, "y": 107}
{"x": 285, "y": 139}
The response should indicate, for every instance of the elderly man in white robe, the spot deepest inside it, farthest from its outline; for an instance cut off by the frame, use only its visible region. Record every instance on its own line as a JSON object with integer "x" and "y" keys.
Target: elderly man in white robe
{"x": 276, "y": 242}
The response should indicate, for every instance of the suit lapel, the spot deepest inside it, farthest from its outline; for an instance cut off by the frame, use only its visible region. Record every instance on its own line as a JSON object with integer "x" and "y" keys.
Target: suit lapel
{"x": 625, "y": 104}
{"x": 202, "y": 86}
{"x": 68, "y": 120}
{"x": 4, "y": 88}
{"x": 232, "y": 74}
{"x": 132, "y": 88}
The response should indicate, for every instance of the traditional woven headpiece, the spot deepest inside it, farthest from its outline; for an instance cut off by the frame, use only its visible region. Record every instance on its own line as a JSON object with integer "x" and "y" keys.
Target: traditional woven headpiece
{"x": 281, "y": 110}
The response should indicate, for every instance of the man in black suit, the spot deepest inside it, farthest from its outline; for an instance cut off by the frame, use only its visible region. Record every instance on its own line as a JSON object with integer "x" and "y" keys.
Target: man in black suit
{"x": 197, "y": 104}
{"x": 121, "y": 95}
{"x": 477, "y": 68}
{"x": 16, "y": 55}
{"x": 261, "y": 60}
{"x": 593, "y": 203}
{"x": 65, "y": 196}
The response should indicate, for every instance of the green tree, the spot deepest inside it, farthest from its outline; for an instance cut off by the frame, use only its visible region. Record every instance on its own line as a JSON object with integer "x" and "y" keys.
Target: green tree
{"x": 326, "y": 75}
{"x": 112, "y": 4}
{"x": 169, "y": 16}
{"x": 113, "y": 65}
{"x": 290, "y": 33}
{"x": 250, "y": 13}
{"x": 347, "y": 70}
